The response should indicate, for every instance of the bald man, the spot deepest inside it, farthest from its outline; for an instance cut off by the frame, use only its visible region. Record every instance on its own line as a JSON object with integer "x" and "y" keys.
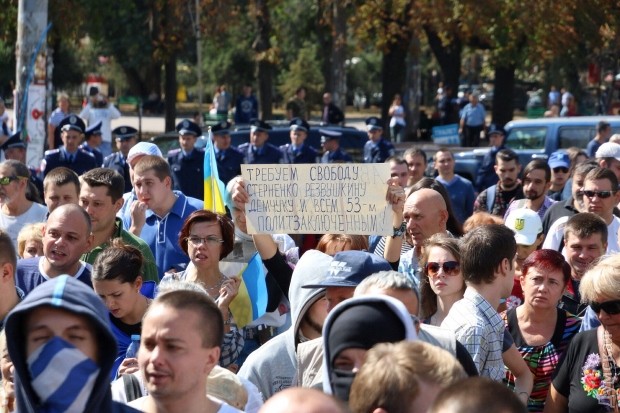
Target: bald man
{"x": 423, "y": 214}
{"x": 302, "y": 400}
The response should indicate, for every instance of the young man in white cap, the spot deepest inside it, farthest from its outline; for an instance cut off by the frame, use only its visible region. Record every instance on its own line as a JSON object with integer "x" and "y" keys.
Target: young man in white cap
{"x": 608, "y": 157}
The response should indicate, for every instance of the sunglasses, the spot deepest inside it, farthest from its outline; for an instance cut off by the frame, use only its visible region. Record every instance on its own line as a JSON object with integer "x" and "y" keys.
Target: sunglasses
{"x": 560, "y": 169}
{"x": 5, "y": 180}
{"x": 600, "y": 194}
{"x": 610, "y": 307}
{"x": 449, "y": 268}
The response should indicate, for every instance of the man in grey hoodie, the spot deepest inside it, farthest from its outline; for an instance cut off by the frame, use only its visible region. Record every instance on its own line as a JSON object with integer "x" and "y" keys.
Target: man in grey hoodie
{"x": 272, "y": 367}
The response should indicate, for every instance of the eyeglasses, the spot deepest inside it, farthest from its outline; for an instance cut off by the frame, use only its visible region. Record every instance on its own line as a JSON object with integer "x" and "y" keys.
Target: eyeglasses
{"x": 600, "y": 194}
{"x": 5, "y": 180}
{"x": 210, "y": 240}
{"x": 449, "y": 268}
{"x": 610, "y": 307}
{"x": 562, "y": 169}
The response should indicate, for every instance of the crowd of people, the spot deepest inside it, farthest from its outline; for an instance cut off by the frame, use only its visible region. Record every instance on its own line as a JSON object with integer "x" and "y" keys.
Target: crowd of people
{"x": 497, "y": 295}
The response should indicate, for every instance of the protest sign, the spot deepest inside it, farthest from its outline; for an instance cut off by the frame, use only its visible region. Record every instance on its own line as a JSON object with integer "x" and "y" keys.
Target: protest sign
{"x": 318, "y": 199}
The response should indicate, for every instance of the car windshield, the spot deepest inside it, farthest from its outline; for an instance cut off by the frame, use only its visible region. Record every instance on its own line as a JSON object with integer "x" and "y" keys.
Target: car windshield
{"x": 526, "y": 138}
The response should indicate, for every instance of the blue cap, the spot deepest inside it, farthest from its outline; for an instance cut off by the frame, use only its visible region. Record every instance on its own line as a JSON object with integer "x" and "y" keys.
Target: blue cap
{"x": 328, "y": 135}
{"x": 123, "y": 133}
{"x": 93, "y": 129}
{"x": 14, "y": 141}
{"x": 299, "y": 124}
{"x": 349, "y": 268}
{"x": 187, "y": 127}
{"x": 495, "y": 129}
{"x": 559, "y": 159}
{"x": 222, "y": 128}
{"x": 259, "y": 125}
{"x": 72, "y": 122}
{"x": 373, "y": 123}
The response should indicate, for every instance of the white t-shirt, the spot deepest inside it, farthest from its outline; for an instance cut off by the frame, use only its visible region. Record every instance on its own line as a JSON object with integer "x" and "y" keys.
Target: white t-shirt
{"x": 556, "y": 233}
{"x": 398, "y": 117}
{"x": 105, "y": 115}
{"x": 12, "y": 225}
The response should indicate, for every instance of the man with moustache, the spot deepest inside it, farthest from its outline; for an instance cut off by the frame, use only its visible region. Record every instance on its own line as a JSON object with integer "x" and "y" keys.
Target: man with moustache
{"x": 496, "y": 199}
{"x": 536, "y": 183}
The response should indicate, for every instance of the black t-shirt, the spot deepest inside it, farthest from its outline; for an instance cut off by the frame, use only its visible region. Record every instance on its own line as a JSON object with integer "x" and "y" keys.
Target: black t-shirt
{"x": 567, "y": 380}
{"x": 129, "y": 329}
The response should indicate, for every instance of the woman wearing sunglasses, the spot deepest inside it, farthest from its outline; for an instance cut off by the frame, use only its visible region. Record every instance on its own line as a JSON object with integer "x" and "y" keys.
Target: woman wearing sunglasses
{"x": 442, "y": 285}
{"x": 541, "y": 331}
{"x": 588, "y": 378}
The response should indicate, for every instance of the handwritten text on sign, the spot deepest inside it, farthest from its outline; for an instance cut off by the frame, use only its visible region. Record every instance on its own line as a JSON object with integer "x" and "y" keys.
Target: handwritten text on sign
{"x": 318, "y": 199}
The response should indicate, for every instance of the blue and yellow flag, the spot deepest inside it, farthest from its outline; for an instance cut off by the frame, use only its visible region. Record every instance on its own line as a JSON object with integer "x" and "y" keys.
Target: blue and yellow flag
{"x": 214, "y": 188}
{"x": 251, "y": 301}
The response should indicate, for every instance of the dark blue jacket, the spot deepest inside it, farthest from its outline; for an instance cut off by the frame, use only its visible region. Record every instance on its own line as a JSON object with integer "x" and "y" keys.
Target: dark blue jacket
{"x": 84, "y": 161}
{"x": 229, "y": 164}
{"x": 267, "y": 154}
{"x": 188, "y": 172}
{"x": 96, "y": 153}
{"x": 378, "y": 153}
{"x": 307, "y": 154}
{"x": 337, "y": 156}
{"x": 246, "y": 109}
{"x": 119, "y": 164}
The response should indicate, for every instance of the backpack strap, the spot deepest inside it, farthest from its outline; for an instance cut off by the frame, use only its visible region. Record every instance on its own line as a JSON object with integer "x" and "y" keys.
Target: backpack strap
{"x": 490, "y": 197}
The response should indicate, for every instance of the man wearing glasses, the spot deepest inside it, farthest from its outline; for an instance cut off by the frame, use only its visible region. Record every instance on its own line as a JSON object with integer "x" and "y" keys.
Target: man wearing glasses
{"x": 600, "y": 195}
{"x": 559, "y": 164}
{"x": 15, "y": 209}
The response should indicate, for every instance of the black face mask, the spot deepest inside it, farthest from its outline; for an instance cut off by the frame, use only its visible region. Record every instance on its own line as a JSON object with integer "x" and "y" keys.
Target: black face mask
{"x": 341, "y": 383}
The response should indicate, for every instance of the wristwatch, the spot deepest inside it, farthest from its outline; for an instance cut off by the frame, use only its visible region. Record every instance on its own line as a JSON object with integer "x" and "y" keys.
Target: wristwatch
{"x": 399, "y": 231}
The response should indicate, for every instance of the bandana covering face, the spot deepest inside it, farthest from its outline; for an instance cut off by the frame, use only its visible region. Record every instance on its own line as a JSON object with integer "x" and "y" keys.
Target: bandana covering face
{"x": 62, "y": 376}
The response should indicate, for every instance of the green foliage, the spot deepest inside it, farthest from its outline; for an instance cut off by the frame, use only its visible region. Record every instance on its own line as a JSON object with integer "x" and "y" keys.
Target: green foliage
{"x": 304, "y": 71}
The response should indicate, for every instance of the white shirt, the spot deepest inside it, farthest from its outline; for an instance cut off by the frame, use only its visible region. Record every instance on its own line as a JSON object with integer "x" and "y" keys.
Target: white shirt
{"x": 12, "y": 225}
{"x": 556, "y": 233}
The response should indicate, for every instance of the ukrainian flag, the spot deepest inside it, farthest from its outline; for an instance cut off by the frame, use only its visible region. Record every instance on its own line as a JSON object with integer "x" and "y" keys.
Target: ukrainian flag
{"x": 214, "y": 188}
{"x": 251, "y": 301}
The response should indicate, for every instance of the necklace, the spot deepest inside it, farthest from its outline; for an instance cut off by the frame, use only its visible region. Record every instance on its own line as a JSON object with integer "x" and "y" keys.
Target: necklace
{"x": 214, "y": 290}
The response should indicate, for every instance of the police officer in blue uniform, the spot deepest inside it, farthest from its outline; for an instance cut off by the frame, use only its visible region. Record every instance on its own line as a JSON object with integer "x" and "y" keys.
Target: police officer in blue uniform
{"x": 15, "y": 148}
{"x": 69, "y": 155}
{"x": 187, "y": 162}
{"x": 227, "y": 157}
{"x": 92, "y": 139}
{"x": 297, "y": 151}
{"x": 330, "y": 141}
{"x": 377, "y": 149}
{"x": 258, "y": 150}
{"x": 126, "y": 137}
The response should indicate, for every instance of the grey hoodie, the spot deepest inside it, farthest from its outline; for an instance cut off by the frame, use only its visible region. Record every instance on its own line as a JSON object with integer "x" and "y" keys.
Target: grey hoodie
{"x": 74, "y": 296}
{"x": 273, "y": 366}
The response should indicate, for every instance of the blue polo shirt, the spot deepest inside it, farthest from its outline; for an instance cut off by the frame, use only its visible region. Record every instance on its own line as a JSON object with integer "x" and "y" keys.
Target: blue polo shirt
{"x": 473, "y": 115}
{"x": 162, "y": 233}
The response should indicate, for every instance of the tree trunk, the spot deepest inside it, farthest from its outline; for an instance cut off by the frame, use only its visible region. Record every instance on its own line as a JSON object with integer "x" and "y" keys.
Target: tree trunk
{"x": 262, "y": 47}
{"x": 413, "y": 90}
{"x": 448, "y": 57}
{"x": 393, "y": 78}
{"x": 170, "y": 89}
{"x": 338, "y": 83}
{"x": 503, "y": 95}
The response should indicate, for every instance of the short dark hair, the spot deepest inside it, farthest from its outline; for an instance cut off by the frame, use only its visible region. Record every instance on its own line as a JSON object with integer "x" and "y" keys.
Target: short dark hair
{"x": 603, "y": 173}
{"x": 416, "y": 152}
{"x": 547, "y": 260}
{"x": 444, "y": 149}
{"x": 507, "y": 155}
{"x": 7, "y": 250}
{"x": 157, "y": 164}
{"x": 477, "y": 394}
{"x": 211, "y": 324}
{"x": 482, "y": 251}
{"x": 536, "y": 164}
{"x": 105, "y": 177}
{"x": 602, "y": 126}
{"x": 203, "y": 215}
{"x": 586, "y": 224}
{"x": 583, "y": 168}
{"x": 62, "y": 176}
{"x": 397, "y": 160}
{"x": 119, "y": 261}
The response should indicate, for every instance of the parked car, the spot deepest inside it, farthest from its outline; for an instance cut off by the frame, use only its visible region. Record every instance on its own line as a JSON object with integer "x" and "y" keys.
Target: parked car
{"x": 537, "y": 138}
{"x": 352, "y": 139}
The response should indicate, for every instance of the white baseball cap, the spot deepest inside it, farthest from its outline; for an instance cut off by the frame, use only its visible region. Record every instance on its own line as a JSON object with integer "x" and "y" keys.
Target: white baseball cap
{"x": 526, "y": 225}
{"x": 143, "y": 148}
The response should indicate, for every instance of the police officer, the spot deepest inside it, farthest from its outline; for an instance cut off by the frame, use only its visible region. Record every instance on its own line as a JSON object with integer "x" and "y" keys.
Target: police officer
{"x": 330, "y": 141}
{"x": 15, "y": 148}
{"x": 187, "y": 162}
{"x": 297, "y": 151}
{"x": 227, "y": 157}
{"x": 69, "y": 155}
{"x": 258, "y": 150}
{"x": 377, "y": 149}
{"x": 93, "y": 136}
{"x": 126, "y": 137}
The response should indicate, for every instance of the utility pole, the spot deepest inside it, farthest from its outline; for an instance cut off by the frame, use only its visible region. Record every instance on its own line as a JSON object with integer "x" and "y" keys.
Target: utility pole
{"x": 29, "y": 102}
{"x": 199, "y": 56}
